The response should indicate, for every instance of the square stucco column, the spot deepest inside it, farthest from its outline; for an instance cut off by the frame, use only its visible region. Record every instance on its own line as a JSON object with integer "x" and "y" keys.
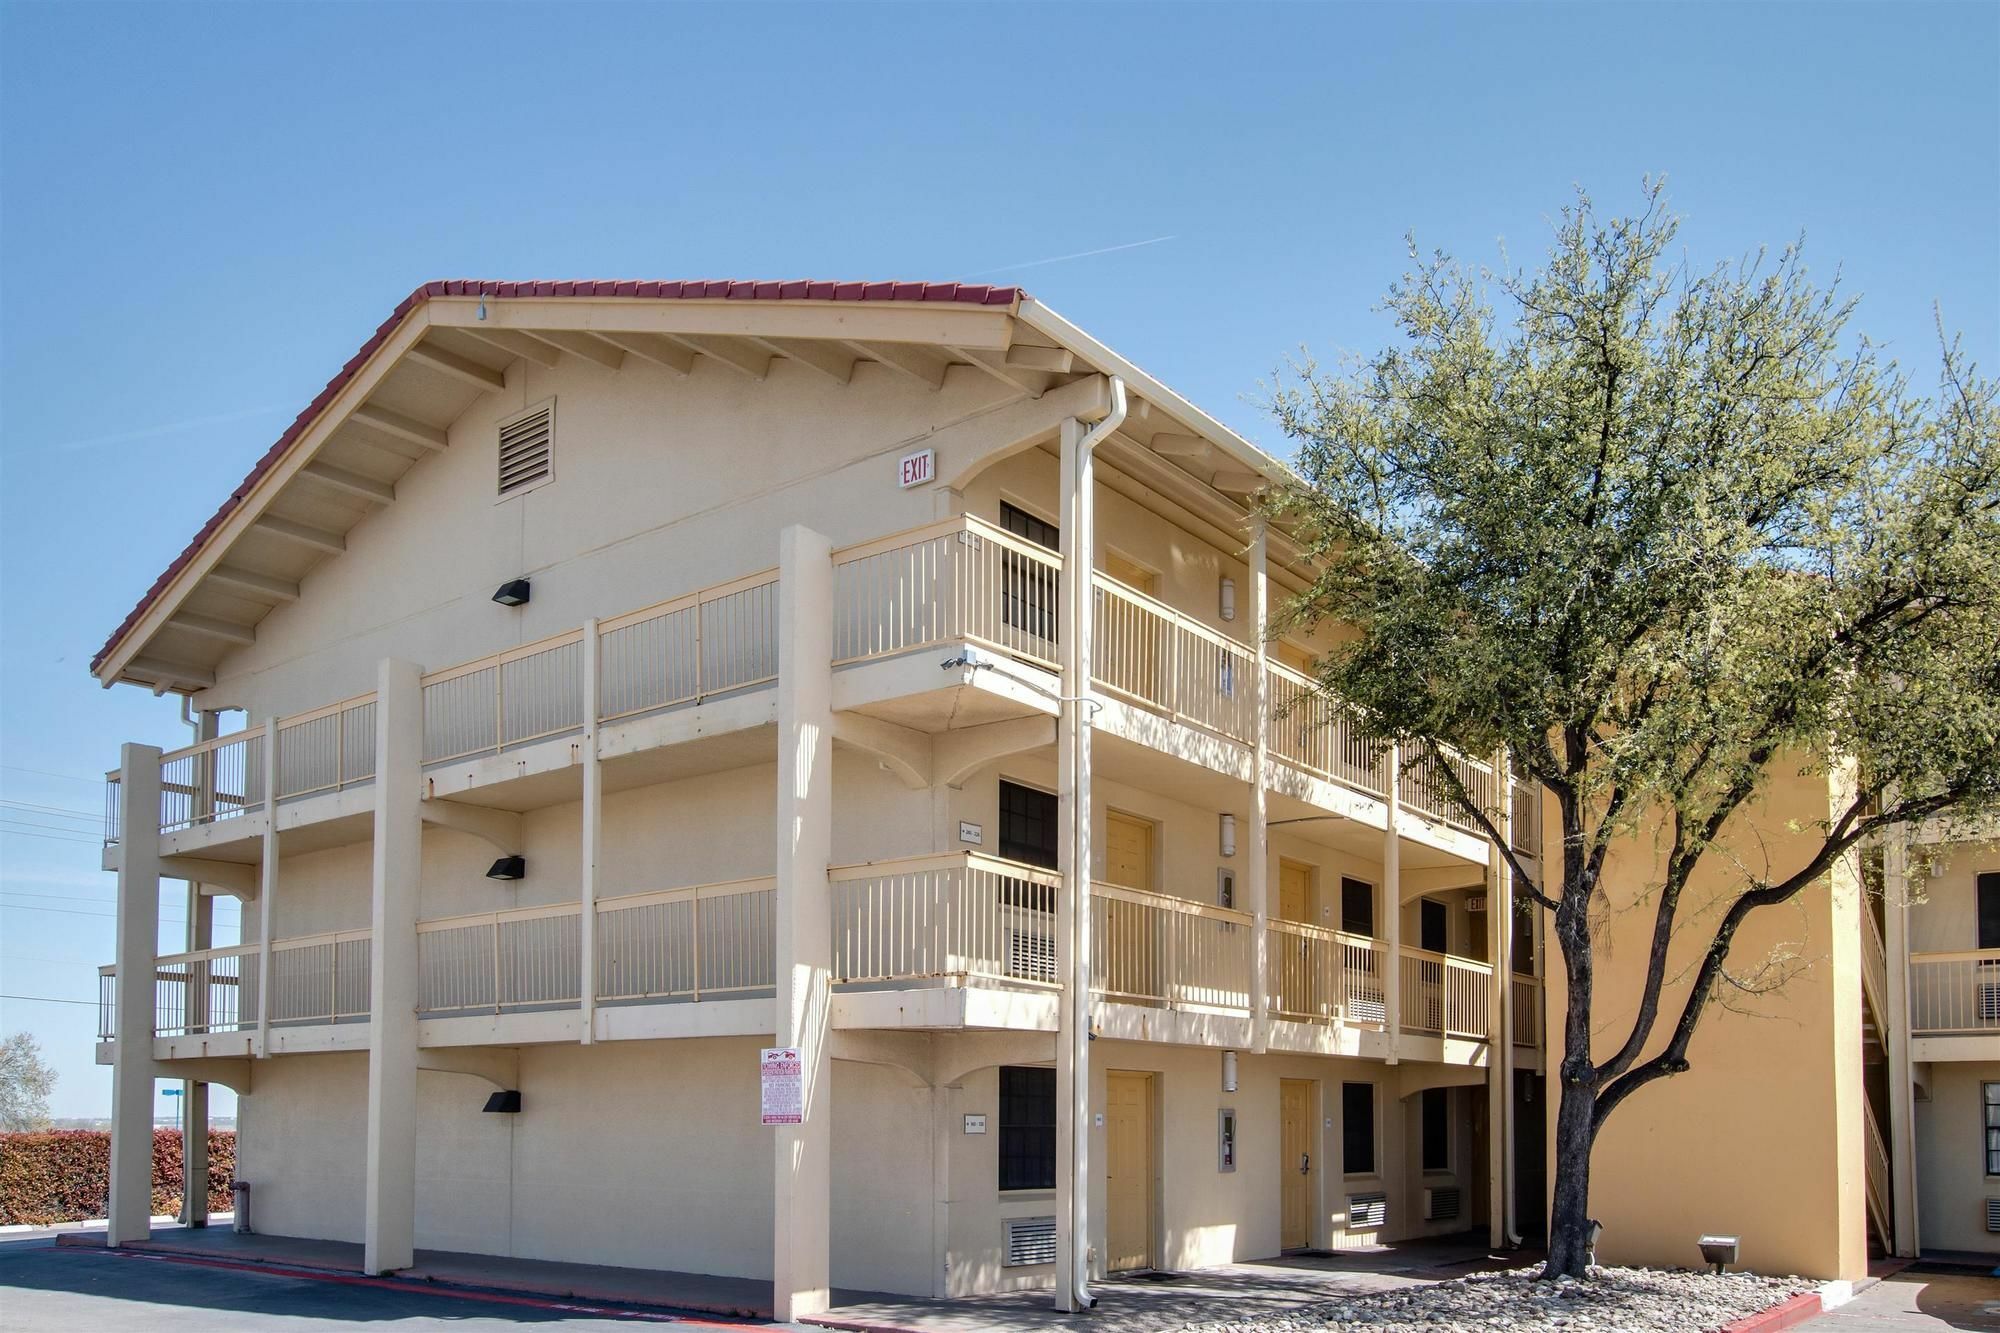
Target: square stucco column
{"x": 1077, "y": 862}
{"x": 138, "y": 946}
{"x": 802, "y": 1190}
{"x": 1258, "y": 899}
{"x": 389, "y": 1226}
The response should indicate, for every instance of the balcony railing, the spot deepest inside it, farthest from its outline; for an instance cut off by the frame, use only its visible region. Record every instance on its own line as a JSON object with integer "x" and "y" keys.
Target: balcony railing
{"x": 1445, "y": 996}
{"x": 961, "y": 580}
{"x": 1526, "y": 1004}
{"x": 1955, "y": 993}
{"x": 953, "y": 919}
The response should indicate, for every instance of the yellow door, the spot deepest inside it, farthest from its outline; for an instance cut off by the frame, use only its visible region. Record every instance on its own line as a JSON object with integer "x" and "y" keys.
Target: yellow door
{"x": 1129, "y": 948}
{"x": 1294, "y": 890}
{"x": 1295, "y": 1164}
{"x": 1128, "y": 1170}
{"x": 1303, "y": 990}
{"x": 1128, "y": 650}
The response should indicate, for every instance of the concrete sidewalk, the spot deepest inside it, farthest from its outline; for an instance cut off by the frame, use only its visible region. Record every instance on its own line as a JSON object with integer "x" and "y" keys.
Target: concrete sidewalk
{"x": 698, "y": 1292}
{"x": 1126, "y": 1305}
{"x": 1144, "y": 1304}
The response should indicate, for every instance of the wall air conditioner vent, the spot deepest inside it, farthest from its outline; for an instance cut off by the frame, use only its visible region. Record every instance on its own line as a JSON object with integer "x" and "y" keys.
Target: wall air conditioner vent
{"x": 1993, "y": 1215}
{"x": 1367, "y": 1212}
{"x": 527, "y": 448}
{"x": 1030, "y": 1240}
{"x": 1031, "y": 955}
{"x": 1441, "y": 1204}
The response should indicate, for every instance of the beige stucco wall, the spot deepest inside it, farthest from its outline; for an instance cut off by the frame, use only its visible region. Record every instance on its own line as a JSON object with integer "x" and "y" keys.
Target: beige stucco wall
{"x": 635, "y": 1154}
{"x": 1944, "y": 911}
{"x": 1762, "y": 1137}
{"x": 1952, "y": 1184}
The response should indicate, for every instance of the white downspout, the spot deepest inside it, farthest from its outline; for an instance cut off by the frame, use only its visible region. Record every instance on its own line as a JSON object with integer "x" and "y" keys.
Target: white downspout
{"x": 1073, "y": 1024}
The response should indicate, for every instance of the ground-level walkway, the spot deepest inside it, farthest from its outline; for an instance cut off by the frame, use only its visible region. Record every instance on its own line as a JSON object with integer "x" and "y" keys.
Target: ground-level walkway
{"x": 1919, "y": 1299}
{"x": 1126, "y": 1305}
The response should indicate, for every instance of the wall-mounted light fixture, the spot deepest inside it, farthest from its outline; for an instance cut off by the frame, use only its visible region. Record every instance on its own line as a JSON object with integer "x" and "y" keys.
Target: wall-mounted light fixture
{"x": 504, "y": 1103}
{"x": 514, "y": 592}
{"x": 509, "y": 867}
{"x": 1229, "y": 1071}
{"x": 1229, "y": 835}
{"x": 1229, "y": 599}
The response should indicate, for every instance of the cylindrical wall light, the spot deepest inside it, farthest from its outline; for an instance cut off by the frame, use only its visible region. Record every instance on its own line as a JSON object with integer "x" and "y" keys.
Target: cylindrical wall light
{"x": 1229, "y": 1071}
{"x": 1229, "y": 835}
{"x": 1229, "y": 599}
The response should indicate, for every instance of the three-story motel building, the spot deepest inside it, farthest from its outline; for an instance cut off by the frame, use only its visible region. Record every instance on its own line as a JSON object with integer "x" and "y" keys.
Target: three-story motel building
{"x": 601, "y": 684}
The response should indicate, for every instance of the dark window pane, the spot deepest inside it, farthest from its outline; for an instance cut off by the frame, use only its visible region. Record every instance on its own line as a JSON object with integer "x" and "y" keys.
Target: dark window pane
{"x": 1357, "y": 906}
{"x": 1524, "y": 939}
{"x": 1027, "y": 1128}
{"x": 1357, "y": 1128}
{"x": 1431, "y": 918}
{"x": 1989, "y": 911}
{"x": 1028, "y": 587}
{"x": 1437, "y": 1129}
{"x": 1027, "y": 825}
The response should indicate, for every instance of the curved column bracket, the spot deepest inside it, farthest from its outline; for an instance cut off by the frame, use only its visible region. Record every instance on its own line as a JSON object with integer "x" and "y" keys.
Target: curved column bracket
{"x": 232, "y": 878}
{"x": 957, "y": 755}
{"x": 497, "y": 1065}
{"x": 902, "y": 750}
{"x": 500, "y": 828}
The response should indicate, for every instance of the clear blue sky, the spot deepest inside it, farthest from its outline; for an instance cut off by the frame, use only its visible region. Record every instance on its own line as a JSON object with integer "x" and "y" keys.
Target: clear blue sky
{"x": 205, "y": 210}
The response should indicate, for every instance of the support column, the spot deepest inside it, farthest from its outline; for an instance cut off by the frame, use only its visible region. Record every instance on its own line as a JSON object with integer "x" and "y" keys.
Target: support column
{"x": 131, "y": 1208}
{"x": 1392, "y": 904}
{"x": 267, "y": 887}
{"x": 1257, "y": 882}
{"x": 1500, "y": 1042}
{"x": 389, "y": 1226}
{"x": 944, "y": 1125}
{"x": 593, "y": 828}
{"x": 200, "y": 936}
{"x": 802, "y": 1202}
{"x": 1073, "y": 815}
{"x": 1896, "y": 1044}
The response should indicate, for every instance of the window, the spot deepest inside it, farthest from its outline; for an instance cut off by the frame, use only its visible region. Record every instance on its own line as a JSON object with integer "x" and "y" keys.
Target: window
{"x": 1027, "y": 1128}
{"x": 1027, "y": 825}
{"x": 1990, "y": 1096}
{"x": 1437, "y": 1129}
{"x": 527, "y": 448}
{"x": 1524, "y": 933}
{"x": 1357, "y": 906}
{"x": 1989, "y": 911}
{"x": 1028, "y": 587}
{"x": 1432, "y": 922}
{"x": 1357, "y": 1128}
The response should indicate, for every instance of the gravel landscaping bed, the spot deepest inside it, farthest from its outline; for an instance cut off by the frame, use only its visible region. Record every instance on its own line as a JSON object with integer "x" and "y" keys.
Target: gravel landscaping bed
{"x": 1615, "y": 1300}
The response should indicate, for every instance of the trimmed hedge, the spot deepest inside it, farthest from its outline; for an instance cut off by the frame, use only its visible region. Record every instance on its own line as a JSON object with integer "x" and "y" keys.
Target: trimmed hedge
{"x": 64, "y": 1175}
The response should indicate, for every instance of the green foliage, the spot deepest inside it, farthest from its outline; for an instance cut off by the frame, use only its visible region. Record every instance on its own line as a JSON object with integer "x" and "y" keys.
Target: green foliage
{"x": 25, "y": 1083}
{"x": 1657, "y": 533}
{"x": 1653, "y": 528}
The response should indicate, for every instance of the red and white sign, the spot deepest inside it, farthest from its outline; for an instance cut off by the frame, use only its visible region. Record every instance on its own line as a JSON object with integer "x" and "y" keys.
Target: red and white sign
{"x": 917, "y": 468}
{"x": 783, "y": 1078}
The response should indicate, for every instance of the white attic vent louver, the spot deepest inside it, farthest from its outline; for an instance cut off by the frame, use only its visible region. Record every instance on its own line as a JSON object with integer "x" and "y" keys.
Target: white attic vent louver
{"x": 1030, "y": 1240}
{"x": 1993, "y": 1215}
{"x": 527, "y": 448}
{"x": 1441, "y": 1204}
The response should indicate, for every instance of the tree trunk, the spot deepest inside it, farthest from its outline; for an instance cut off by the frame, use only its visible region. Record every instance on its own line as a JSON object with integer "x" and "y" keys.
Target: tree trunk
{"x": 1569, "y": 1219}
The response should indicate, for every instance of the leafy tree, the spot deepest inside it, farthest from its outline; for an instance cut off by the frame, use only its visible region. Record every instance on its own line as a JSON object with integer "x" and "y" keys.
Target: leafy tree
{"x": 1656, "y": 533}
{"x": 25, "y": 1082}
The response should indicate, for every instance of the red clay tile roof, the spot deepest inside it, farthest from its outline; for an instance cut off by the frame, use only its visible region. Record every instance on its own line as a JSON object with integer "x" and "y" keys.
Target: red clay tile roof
{"x": 964, "y": 293}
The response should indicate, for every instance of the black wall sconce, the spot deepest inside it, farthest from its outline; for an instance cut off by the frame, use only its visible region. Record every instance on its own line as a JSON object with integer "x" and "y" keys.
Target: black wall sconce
{"x": 514, "y": 592}
{"x": 509, "y": 867}
{"x": 504, "y": 1103}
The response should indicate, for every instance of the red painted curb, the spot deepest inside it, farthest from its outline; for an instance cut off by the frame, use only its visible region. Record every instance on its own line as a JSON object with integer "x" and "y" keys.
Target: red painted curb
{"x": 1784, "y": 1314}
{"x": 422, "y": 1286}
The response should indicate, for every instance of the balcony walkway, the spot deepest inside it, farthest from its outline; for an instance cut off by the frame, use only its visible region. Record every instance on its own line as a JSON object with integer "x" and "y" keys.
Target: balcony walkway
{"x": 711, "y": 655}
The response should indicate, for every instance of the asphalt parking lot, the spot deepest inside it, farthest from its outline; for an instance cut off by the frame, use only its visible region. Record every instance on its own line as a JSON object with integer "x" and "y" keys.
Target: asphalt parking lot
{"x": 44, "y": 1289}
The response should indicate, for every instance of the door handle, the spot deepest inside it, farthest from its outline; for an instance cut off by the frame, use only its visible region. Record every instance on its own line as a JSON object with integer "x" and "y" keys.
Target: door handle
{"x": 1305, "y": 1163}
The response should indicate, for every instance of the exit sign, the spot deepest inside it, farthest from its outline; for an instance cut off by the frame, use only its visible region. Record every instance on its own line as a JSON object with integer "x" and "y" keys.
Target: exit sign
{"x": 917, "y": 468}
